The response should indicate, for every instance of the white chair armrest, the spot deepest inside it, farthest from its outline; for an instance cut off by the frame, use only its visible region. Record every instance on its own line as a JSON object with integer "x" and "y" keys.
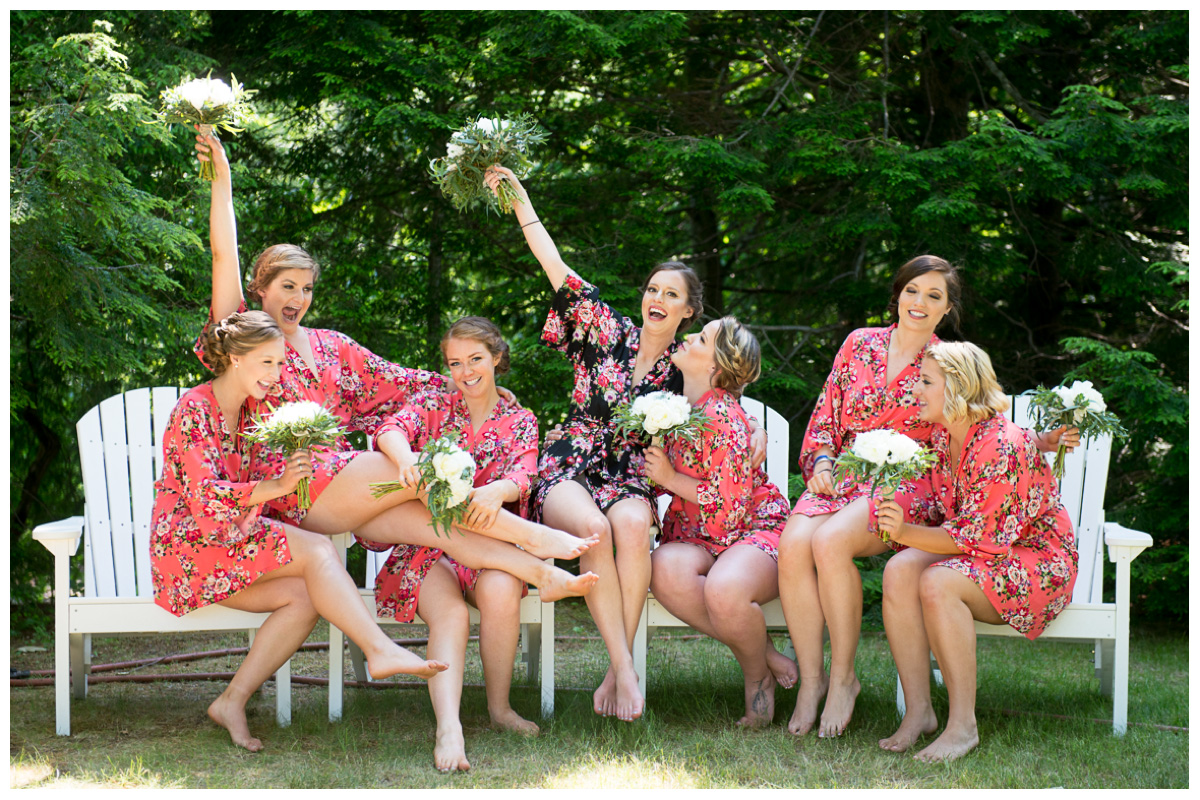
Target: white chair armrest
{"x": 64, "y": 531}
{"x": 1119, "y": 536}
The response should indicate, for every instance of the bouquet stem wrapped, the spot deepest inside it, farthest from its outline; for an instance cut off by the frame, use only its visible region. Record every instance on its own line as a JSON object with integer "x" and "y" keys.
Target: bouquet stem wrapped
{"x": 447, "y": 476}
{"x": 297, "y": 426}
{"x": 886, "y": 458}
{"x": 209, "y": 103}
{"x": 479, "y": 145}
{"x": 1078, "y": 405}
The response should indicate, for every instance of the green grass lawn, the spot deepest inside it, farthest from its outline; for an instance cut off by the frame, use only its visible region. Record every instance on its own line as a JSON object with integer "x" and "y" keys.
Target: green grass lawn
{"x": 157, "y": 735}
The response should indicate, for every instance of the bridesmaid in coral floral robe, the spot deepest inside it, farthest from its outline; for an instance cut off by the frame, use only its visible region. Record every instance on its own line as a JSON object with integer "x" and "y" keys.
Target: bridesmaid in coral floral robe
{"x": 1010, "y": 540}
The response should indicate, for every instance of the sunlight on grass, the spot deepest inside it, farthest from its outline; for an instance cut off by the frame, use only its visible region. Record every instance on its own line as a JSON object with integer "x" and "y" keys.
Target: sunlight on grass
{"x": 27, "y": 772}
{"x": 623, "y": 772}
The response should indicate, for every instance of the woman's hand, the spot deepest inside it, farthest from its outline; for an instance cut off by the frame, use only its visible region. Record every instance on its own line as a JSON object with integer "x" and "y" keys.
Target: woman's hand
{"x": 1067, "y": 435}
{"x": 758, "y": 448}
{"x": 496, "y": 173}
{"x": 297, "y": 467}
{"x": 409, "y": 475}
{"x": 556, "y": 434}
{"x": 209, "y": 148}
{"x": 485, "y": 506}
{"x": 821, "y": 481}
{"x": 658, "y": 466}
{"x": 890, "y": 517}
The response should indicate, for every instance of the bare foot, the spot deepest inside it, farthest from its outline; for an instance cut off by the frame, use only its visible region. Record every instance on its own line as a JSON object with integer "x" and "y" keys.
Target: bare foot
{"x": 783, "y": 668}
{"x": 839, "y": 707}
{"x": 805, "y": 716}
{"x": 396, "y": 660}
{"x": 916, "y": 723}
{"x": 953, "y": 743}
{"x": 629, "y": 697}
{"x": 509, "y": 720}
{"x": 546, "y": 542}
{"x": 450, "y": 750}
{"x": 562, "y": 584}
{"x": 760, "y": 703}
{"x": 604, "y": 699}
{"x": 232, "y": 717}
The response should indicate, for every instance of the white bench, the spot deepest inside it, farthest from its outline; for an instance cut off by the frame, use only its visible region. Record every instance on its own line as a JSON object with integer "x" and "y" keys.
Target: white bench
{"x": 654, "y": 615}
{"x": 537, "y": 634}
{"x": 1088, "y": 617}
{"x": 120, "y": 450}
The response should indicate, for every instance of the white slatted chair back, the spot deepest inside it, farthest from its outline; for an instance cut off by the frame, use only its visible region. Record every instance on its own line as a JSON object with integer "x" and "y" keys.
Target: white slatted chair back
{"x": 1083, "y": 500}
{"x": 120, "y": 450}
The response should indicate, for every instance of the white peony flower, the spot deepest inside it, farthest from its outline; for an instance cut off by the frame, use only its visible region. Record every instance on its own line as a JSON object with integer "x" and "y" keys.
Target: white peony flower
{"x": 296, "y": 412}
{"x": 453, "y": 150}
{"x": 219, "y": 93}
{"x": 195, "y": 92}
{"x": 901, "y": 449}
{"x": 489, "y": 125}
{"x": 459, "y": 491}
{"x": 873, "y": 446}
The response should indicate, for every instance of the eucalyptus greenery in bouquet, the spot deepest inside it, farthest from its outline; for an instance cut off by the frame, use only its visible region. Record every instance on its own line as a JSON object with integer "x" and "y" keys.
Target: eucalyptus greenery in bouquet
{"x": 660, "y": 414}
{"x": 886, "y": 458}
{"x": 447, "y": 476}
{"x": 1079, "y": 405}
{"x": 296, "y": 426}
{"x": 208, "y": 102}
{"x": 479, "y": 145}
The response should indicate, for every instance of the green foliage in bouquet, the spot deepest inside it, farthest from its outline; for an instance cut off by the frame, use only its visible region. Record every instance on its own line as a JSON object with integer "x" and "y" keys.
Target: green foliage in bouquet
{"x": 886, "y": 458}
{"x": 479, "y": 145}
{"x": 209, "y": 103}
{"x": 661, "y": 414}
{"x": 296, "y": 426}
{"x": 447, "y": 476}
{"x": 1079, "y": 405}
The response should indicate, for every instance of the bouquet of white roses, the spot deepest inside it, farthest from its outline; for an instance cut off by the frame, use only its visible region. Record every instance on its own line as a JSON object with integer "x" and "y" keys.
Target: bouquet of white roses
{"x": 886, "y": 458}
{"x": 447, "y": 476}
{"x": 1079, "y": 405}
{"x": 659, "y": 414}
{"x": 207, "y": 102}
{"x": 297, "y": 426}
{"x": 479, "y": 145}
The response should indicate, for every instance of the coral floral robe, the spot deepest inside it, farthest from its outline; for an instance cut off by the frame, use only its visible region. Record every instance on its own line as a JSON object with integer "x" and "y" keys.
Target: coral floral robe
{"x": 206, "y": 542}
{"x": 856, "y": 398}
{"x": 358, "y": 387}
{"x": 602, "y": 346}
{"x": 504, "y": 448}
{"x": 736, "y": 504}
{"x": 1002, "y": 509}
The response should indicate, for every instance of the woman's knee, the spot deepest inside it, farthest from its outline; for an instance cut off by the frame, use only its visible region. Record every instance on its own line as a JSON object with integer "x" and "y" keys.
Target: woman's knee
{"x": 902, "y": 573}
{"x": 935, "y": 586}
{"x": 313, "y": 548}
{"x": 631, "y": 534}
{"x": 725, "y": 597}
{"x": 497, "y": 589}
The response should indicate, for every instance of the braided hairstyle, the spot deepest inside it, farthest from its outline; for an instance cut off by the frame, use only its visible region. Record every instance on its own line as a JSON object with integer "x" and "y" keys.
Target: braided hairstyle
{"x": 972, "y": 391}
{"x": 738, "y": 356}
{"x": 237, "y": 335}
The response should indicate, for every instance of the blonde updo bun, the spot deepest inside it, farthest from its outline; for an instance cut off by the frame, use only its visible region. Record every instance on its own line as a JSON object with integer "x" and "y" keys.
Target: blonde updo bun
{"x": 237, "y": 335}
{"x": 738, "y": 356}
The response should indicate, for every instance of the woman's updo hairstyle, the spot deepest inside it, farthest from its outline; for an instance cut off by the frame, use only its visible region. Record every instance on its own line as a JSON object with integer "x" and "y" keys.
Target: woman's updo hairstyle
{"x": 972, "y": 391}
{"x": 919, "y": 266}
{"x": 738, "y": 356}
{"x": 695, "y": 290}
{"x": 275, "y": 259}
{"x": 237, "y": 335}
{"x": 482, "y": 330}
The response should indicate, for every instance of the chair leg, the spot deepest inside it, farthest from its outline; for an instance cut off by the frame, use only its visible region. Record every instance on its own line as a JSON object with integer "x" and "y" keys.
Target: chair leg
{"x": 358, "y": 660}
{"x": 337, "y": 672}
{"x": 900, "y": 706}
{"x": 283, "y": 694}
{"x": 531, "y": 649}
{"x": 546, "y": 634}
{"x": 639, "y": 649}
{"x": 1105, "y": 656}
{"x": 79, "y": 666}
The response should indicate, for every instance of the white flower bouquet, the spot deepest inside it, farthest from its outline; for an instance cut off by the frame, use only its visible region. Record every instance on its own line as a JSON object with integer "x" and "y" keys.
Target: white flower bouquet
{"x": 297, "y": 426}
{"x": 479, "y": 145}
{"x": 886, "y": 458}
{"x": 447, "y": 476}
{"x": 660, "y": 414}
{"x": 207, "y": 102}
{"x": 1079, "y": 405}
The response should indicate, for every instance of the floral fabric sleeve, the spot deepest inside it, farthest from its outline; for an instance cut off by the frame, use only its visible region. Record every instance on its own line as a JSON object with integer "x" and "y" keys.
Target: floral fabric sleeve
{"x": 198, "y": 347}
{"x": 218, "y": 505}
{"x": 727, "y": 483}
{"x": 825, "y": 428}
{"x": 371, "y": 388}
{"x": 520, "y": 463}
{"x": 579, "y": 317}
{"x": 992, "y": 511}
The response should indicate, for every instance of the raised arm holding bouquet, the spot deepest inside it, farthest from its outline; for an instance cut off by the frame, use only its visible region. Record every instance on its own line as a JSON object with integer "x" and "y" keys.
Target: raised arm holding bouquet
{"x": 474, "y": 149}
{"x": 208, "y": 103}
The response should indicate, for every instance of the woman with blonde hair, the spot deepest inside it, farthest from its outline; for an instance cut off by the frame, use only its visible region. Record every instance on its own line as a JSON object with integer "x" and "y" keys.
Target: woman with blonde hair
{"x": 716, "y": 562}
{"x": 1004, "y": 552}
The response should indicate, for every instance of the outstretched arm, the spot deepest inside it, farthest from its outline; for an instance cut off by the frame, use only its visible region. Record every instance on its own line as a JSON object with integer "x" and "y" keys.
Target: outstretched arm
{"x": 222, "y": 231}
{"x": 538, "y": 239}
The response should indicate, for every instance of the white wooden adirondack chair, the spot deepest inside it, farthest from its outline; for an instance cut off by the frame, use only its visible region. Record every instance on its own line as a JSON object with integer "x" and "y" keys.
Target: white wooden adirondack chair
{"x": 537, "y": 635}
{"x": 120, "y": 449}
{"x": 1088, "y": 617}
{"x": 654, "y": 616}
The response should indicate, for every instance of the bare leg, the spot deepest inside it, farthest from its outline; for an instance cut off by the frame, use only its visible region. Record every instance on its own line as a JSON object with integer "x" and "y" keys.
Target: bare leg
{"x": 291, "y": 621}
{"x": 905, "y": 626}
{"x": 806, "y": 622}
{"x": 569, "y": 507}
{"x": 630, "y": 521}
{"x": 952, "y": 602}
{"x": 497, "y": 595}
{"x": 442, "y": 607}
{"x": 409, "y": 524}
{"x": 836, "y": 543}
{"x": 336, "y": 598}
{"x": 347, "y": 504}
